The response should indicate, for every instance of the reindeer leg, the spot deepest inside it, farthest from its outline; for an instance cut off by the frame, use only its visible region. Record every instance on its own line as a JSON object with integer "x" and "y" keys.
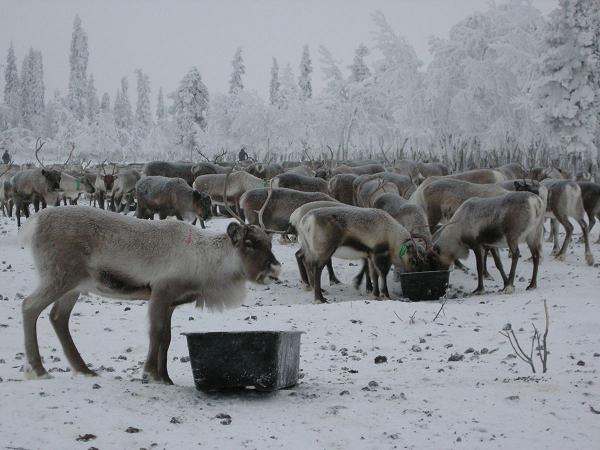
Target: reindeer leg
{"x": 59, "y": 317}
{"x": 332, "y": 278}
{"x": 479, "y": 260}
{"x": 461, "y": 266}
{"x": 554, "y": 234}
{"x": 32, "y": 307}
{"x": 382, "y": 264}
{"x": 486, "y": 274}
{"x": 36, "y": 204}
{"x": 302, "y": 268}
{"x": 536, "y": 248}
{"x": 374, "y": 278}
{"x": 317, "y": 270}
{"x": 498, "y": 263}
{"x": 564, "y": 220}
{"x": 357, "y": 280}
{"x": 589, "y": 258}
{"x": 18, "y": 208}
{"x": 158, "y": 311}
{"x": 163, "y": 351}
{"x": 513, "y": 245}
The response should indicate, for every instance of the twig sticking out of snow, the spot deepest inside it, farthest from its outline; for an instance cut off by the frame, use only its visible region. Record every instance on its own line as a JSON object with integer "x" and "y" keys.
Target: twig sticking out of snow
{"x": 541, "y": 340}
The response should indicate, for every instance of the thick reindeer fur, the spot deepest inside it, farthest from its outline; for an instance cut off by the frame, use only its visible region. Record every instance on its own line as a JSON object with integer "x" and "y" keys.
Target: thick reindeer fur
{"x": 282, "y": 204}
{"x": 440, "y": 197}
{"x": 359, "y": 170}
{"x": 513, "y": 171}
{"x": 85, "y": 250}
{"x": 350, "y": 232}
{"x": 432, "y": 169}
{"x": 497, "y": 222}
{"x": 34, "y": 185}
{"x": 479, "y": 176}
{"x": 367, "y": 192}
{"x": 170, "y": 170}
{"x": 341, "y": 187}
{"x": 206, "y": 168}
{"x": 565, "y": 201}
{"x": 404, "y": 183}
{"x": 302, "y": 170}
{"x": 237, "y": 183}
{"x": 295, "y": 218}
{"x": 170, "y": 197}
{"x": 300, "y": 183}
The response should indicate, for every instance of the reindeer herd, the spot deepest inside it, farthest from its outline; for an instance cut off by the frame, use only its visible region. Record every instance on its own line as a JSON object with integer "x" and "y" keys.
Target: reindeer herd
{"x": 415, "y": 216}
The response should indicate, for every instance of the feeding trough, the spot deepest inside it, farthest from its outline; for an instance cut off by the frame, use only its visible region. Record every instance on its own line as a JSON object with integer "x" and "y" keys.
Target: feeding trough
{"x": 264, "y": 360}
{"x": 430, "y": 285}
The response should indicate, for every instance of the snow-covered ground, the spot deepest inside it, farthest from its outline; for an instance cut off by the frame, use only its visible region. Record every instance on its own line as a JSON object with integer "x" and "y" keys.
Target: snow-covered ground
{"x": 417, "y": 399}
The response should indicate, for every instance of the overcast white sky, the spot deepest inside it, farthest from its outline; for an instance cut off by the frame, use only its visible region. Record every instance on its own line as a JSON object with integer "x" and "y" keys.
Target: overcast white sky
{"x": 166, "y": 38}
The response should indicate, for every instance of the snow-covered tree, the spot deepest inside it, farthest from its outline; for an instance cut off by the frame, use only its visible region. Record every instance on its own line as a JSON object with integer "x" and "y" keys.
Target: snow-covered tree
{"x": 567, "y": 92}
{"x": 122, "y": 108}
{"x": 93, "y": 106}
{"x": 11, "y": 87}
{"x": 143, "y": 114}
{"x": 304, "y": 80}
{"x": 190, "y": 105}
{"x": 160, "y": 105}
{"x": 78, "y": 60}
{"x": 105, "y": 103}
{"x": 235, "y": 82}
{"x": 359, "y": 69}
{"x": 288, "y": 91}
{"x": 32, "y": 87}
{"x": 274, "y": 84}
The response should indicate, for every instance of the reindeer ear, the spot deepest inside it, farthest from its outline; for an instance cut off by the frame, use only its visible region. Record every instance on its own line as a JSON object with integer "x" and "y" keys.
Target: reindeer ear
{"x": 236, "y": 233}
{"x": 196, "y": 194}
{"x": 44, "y": 172}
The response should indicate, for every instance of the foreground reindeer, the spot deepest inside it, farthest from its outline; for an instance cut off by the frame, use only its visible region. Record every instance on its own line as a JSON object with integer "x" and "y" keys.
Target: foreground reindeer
{"x": 171, "y": 197}
{"x": 350, "y": 232}
{"x": 79, "y": 250}
{"x": 497, "y": 222}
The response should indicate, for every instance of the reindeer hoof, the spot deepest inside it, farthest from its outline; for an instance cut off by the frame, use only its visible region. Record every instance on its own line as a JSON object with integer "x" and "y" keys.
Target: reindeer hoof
{"x": 508, "y": 289}
{"x": 334, "y": 281}
{"x": 319, "y": 301}
{"x": 560, "y": 257}
{"x": 31, "y": 374}
{"x": 86, "y": 373}
{"x": 488, "y": 276}
{"x": 478, "y": 291}
{"x": 589, "y": 259}
{"x": 531, "y": 286}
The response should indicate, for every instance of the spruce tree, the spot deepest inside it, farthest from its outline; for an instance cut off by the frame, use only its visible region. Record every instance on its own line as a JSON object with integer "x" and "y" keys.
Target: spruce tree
{"x": 160, "y": 105}
{"x": 32, "y": 87}
{"x": 105, "y": 103}
{"x": 566, "y": 93}
{"x": 235, "y": 82}
{"x": 274, "y": 85}
{"x": 11, "y": 85}
{"x": 92, "y": 104}
{"x": 190, "y": 105}
{"x": 143, "y": 114}
{"x": 305, "y": 74}
{"x": 78, "y": 60}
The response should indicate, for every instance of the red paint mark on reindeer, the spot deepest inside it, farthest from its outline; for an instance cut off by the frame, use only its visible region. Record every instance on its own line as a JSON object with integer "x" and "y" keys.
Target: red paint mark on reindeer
{"x": 188, "y": 238}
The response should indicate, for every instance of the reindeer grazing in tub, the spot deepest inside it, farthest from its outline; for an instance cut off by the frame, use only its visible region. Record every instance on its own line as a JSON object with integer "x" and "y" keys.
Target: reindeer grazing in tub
{"x": 169, "y": 263}
{"x": 350, "y": 232}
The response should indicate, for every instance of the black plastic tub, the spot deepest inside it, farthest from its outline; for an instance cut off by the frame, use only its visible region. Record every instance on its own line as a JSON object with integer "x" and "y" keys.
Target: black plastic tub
{"x": 429, "y": 285}
{"x": 264, "y": 360}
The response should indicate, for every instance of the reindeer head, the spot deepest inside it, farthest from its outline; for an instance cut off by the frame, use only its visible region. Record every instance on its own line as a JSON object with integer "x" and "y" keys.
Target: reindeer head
{"x": 525, "y": 186}
{"x": 254, "y": 248}
{"x": 202, "y": 204}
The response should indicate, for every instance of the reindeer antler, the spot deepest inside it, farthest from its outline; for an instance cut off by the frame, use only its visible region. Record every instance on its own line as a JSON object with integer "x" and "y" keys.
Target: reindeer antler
{"x": 70, "y": 154}
{"x": 262, "y": 211}
{"x": 38, "y": 146}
